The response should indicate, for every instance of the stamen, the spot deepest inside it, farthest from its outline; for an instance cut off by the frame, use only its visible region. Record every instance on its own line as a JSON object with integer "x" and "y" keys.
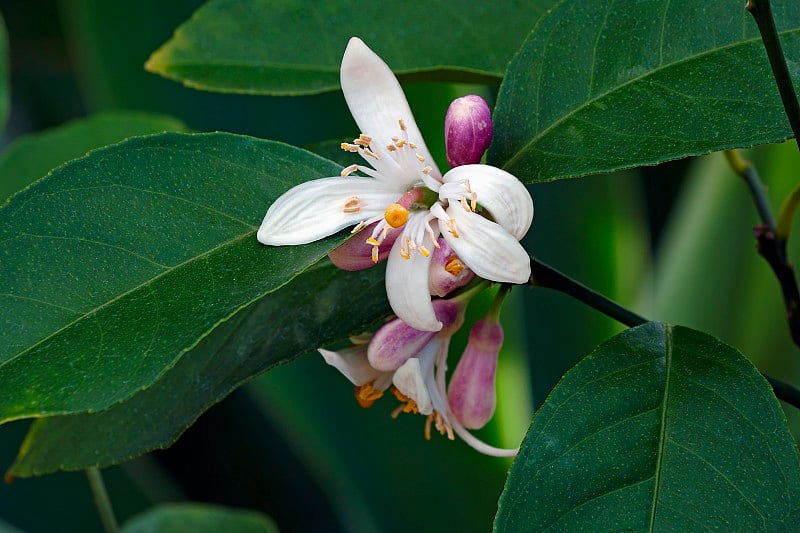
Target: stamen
{"x": 395, "y": 138}
{"x": 402, "y": 124}
{"x": 361, "y": 225}
{"x": 366, "y": 395}
{"x": 407, "y": 405}
{"x": 391, "y": 147}
{"x": 474, "y": 202}
{"x": 420, "y": 158}
{"x": 427, "y": 170}
{"x": 396, "y": 215}
{"x": 428, "y": 422}
{"x": 464, "y": 204}
{"x": 375, "y": 250}
{"x": 404, "y": 253}
{"x": 367, "y": 151}
{"x": 349, "y": 170}
{"x": 466, "y": 185}
{"x": 454, "y": 265}
{"x": 347, "y": 147}
{"x": 412, "y": 145}
{"x": 400, "y": 143}
{"x": 352, "y": 205}
{"x": 361, "y": 142}
{"x": 453, "y": 229}
{"x": 424, "y": 251}
{"x": 373, "y": 242}
{"x": 366, "y": 138}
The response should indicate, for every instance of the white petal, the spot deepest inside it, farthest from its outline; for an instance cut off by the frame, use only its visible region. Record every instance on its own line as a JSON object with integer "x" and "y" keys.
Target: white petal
{"x": 485, "y": 247}
{"x": 410, "y": 381}
{"x": 315, "y": 209}
{"x": 376, "y": 99}
{"x": 353, "y": 364}
{"x": 503, "y": 195}
{"x": 407, "y": 287}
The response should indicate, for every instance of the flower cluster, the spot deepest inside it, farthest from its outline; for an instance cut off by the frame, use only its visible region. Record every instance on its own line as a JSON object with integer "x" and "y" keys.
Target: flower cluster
{"x": 404, "y": 204}
{"x": 437, "y": 232}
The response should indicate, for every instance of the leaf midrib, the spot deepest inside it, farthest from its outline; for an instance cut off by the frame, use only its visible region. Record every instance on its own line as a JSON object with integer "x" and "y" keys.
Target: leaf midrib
{"x": 663, "y": 430}
{"x": 521, "y": 151}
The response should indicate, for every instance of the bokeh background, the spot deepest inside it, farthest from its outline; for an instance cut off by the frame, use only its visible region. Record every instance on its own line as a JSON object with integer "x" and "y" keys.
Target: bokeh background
{"x": 672, "y": 242}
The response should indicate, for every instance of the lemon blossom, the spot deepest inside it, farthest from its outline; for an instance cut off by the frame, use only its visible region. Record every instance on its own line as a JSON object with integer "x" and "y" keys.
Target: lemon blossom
{"x": 405, "y": 189}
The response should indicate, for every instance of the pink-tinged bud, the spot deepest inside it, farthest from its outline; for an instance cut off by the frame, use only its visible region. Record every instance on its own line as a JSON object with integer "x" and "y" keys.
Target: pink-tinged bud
{"x": 356, "y": 253}
{"x": 396, "y": 342}
{"x": 471, "y": 393}
{"x": 467, "y": 130}
{"x": 447, "y": 272}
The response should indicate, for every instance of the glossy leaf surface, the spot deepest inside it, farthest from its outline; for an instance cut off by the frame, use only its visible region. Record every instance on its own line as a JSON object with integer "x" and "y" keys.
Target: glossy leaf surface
{"x": 317, "y": 307}
{"x": 30, "y": 158}
{"x": 199, "y": 518}
{"x": 295, "y": 47}
{"x": 638, "y": 84}
{"x": 5, "y": 96}
{"x": 661, "y": 428}
{"x": 119, "y": 262}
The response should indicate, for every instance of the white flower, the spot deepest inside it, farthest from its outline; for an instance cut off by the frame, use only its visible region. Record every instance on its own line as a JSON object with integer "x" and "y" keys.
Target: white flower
{"x": 405, "y": 189}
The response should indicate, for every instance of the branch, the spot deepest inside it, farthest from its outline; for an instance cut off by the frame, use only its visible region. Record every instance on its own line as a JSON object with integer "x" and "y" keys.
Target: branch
{"x": 543, "y": 275}
{"x": 101, "y": 500}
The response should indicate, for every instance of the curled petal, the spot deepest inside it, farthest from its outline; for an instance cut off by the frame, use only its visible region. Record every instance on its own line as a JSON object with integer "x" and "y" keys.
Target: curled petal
{"x": 352, "y": 362}
{"x": 485, "y": 247}
{"x": 376, "y": 99}
{"x": 410, "y": 381}
{"x": 318, "y": 208}
{"x": 503, "y": 195}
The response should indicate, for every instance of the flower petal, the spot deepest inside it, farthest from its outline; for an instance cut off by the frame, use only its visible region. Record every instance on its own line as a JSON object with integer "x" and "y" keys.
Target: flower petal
{"x": 410, "y": 381}
{"x": 316, "y": 209}
{"x": 485, "y": 247}
{"x": 503, "y": 195}
{"x": 376, "y": 99}
{"x": 407, "y": 288}
{"x": 352, "y": 362}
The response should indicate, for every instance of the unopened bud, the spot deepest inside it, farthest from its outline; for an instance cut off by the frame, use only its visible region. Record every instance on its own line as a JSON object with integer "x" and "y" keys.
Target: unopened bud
{"x": 356, "y": 254}
{"x": 467, "y": 130}
{"x": 471, "y": 393}
{"x": 447, "y": 272}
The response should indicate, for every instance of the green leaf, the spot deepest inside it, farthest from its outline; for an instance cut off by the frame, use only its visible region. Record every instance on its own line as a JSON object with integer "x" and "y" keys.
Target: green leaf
{"x": 199, "y": 518}
{"x": 317, "y": 307}
{"x": 637, "y": 84}
{"x": 117, "y": 263}
{"x": 296, "y": 46}
{"x": 661, "y": 428}
{"x": 5, "y": 89}
{"x": 29, "y": 158}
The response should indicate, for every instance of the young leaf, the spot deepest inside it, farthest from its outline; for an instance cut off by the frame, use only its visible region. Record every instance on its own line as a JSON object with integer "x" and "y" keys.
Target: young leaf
{"x": 263, "y": 47}
{"x": 638, "y": 83}
{"x": 661, "y": 428}
{"x": 317, "y": 307}
{"x": 5, "y": 90}
{"x": 29, "y": 158}
{"x": 198, "y": 518}
{"x": 117, "y": 263}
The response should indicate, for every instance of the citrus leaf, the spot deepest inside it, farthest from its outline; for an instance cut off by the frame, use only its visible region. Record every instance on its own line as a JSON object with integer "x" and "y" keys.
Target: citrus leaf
{"x": 5, "y": 89}
{"x": 198, "y": 518}
{"x": 31, "y": 157}
{"x": 317, "y": 307}
{"x": 661, "y": 428}
{"x": 638, "y": 84}
{"x": 296, "y": 46}
{"x": 117, "y": 263}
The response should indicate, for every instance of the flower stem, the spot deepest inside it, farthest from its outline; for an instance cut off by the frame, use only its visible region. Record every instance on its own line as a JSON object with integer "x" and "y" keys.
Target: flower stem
{"x": 101, "y": 500}
{"x": 543, "y": 275}
{"x": 762, "y": 13}
{"x": 747, "y": 171}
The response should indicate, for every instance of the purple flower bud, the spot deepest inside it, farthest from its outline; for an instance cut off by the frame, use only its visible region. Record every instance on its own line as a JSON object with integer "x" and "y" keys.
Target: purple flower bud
{"x": 471, "y": 393}
{"x": 447, "y": 272}
{"x": 467, "y": 130}
{"x": 396, "y": 342}
{"x": 356, "y": 254}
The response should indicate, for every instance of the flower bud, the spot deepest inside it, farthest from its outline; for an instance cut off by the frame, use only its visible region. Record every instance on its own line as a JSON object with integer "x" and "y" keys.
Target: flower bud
{"x": 447, "y": 272}
{"x": 356, "y": 253}
{"x": 467, "y": 130}
{"x": 471, "y": 393}
{"x": 395, "y": 342}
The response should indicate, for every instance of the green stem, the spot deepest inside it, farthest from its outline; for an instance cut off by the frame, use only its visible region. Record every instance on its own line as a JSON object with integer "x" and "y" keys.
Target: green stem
{"x": 762, "y": 13}
{"x": 747, "y": 171}
{"x": 101, "y": 500}
{"x": 786, "y": 214}
{"x": 543, "y": 275}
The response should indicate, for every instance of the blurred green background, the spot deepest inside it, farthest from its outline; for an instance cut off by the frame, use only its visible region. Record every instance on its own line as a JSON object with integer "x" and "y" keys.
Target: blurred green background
{"x": 672, "y": 242}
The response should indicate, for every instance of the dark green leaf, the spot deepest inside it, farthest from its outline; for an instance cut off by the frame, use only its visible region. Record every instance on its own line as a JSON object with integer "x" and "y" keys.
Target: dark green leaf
{"x": 29, "y": 158}
{"x": 317, "y": 307}
{"x": 295, "y": 46}
{"x": 661, "y": 428}
{"x": 199, "y": 518}
{"x": 604, "y": 85}
{"x": 5, "y": 89}
{"x": 117, "y": 263}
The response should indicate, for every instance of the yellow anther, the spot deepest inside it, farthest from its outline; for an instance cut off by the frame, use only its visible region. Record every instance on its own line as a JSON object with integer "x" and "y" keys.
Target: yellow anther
{"x": 349, "y": 170}
{"x": 466, "y": 186}
{"x": 454, "y": 266}
{"x": 464, "y": 204}
{"x": 361, "y": 225}
{"x": 366, "y": 395}
{"x": 373, "y": 242}
{"x": 453, "y": 230}
{"x": 375, "y": 254}
{"x": 474, "y": 201}
{"x": 407, "y": 405}
{"x": 366, "y": 138}
{"x": 424, "y": 251}
{"x": 404, "y": 253}
{"x": 391, "y": 147}
{"x": 367, "y": 151}
{"x": 412, "y": 145}
{"x": 352, "y": 205}
{"x": 396, "y": 215}
{"x": 347, "y": 147}
{"x": 400, "y": 143}
{"x": 420, "y": 158}
{"x": 402, "y": 124}
{"x": 427, "y": 170}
